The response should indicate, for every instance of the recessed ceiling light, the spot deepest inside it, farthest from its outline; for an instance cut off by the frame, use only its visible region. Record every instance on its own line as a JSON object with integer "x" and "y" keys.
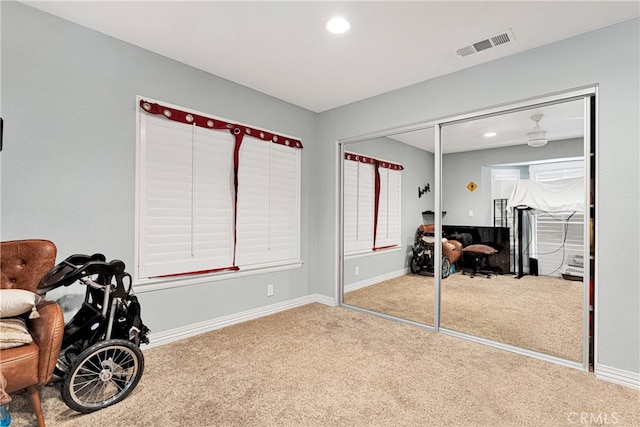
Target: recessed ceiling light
{"x": 490, "y": 134}
{"x": 338, "y": 25}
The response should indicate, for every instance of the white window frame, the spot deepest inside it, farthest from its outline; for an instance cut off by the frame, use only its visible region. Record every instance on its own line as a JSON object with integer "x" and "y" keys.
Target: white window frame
{"x": 146, "y": 283}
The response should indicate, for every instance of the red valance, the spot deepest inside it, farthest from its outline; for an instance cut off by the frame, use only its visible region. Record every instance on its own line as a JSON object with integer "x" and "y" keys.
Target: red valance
{"x": 209, "y": 123}
{"x": 371, "y": 160}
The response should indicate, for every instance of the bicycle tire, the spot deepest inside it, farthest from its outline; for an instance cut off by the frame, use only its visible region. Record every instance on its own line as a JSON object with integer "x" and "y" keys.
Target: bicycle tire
{"x": 102, "y": 375}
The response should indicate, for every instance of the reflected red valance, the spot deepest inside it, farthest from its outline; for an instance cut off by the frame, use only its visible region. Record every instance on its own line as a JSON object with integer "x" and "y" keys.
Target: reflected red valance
{"x": 209, "y": 123}
{"x": 371, "y": 160}
{"x": 376, "y": 189}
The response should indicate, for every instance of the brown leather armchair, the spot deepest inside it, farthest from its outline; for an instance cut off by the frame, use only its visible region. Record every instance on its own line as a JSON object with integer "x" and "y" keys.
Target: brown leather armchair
{"x": 22, "y": 264}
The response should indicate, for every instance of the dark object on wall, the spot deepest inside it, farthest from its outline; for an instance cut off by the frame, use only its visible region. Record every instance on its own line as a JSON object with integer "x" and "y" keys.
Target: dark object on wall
{"x": 533, "y": 266}
{"x": 1, "y": 126}
{"x": 426, "y": 189}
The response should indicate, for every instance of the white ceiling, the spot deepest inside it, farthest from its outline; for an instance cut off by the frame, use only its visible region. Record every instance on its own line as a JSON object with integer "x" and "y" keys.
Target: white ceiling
{"x": 283, "y": 49}
{"x": 561, "y": 121}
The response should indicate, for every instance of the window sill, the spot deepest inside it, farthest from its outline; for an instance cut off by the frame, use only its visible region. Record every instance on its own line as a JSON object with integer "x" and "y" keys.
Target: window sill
{"x": 157, "y": 284}
{"x": 372, "y": 252}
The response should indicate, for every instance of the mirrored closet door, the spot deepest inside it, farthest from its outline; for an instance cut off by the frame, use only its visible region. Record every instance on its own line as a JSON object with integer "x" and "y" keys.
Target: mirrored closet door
{"x": 514, "y": 189}
{"x": 480, "y": 226}
{"x": 387, "y": 186}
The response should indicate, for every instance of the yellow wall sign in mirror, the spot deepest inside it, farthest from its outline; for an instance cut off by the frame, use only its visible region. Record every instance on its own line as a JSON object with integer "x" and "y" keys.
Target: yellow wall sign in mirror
{"x": 471, "y": 186}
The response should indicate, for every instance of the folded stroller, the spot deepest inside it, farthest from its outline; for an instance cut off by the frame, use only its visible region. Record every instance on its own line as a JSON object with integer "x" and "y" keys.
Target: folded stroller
{"x": 100, "y": 361}
{"x": 423, "y": 254}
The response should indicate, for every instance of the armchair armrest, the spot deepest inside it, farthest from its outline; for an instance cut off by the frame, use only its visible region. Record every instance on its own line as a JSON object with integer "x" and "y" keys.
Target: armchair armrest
{"x": 452, "y": 249}
{"x": 47, "y": 331}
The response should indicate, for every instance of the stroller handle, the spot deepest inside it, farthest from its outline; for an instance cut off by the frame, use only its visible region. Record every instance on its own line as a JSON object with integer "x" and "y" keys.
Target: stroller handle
{"x": 95, "y": 285}
{"x": 76, "y": 267}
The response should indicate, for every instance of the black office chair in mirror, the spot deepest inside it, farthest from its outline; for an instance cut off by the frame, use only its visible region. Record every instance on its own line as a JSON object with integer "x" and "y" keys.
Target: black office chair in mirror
{"x": 387, "y": 199}
{"x": 514, "y": 189}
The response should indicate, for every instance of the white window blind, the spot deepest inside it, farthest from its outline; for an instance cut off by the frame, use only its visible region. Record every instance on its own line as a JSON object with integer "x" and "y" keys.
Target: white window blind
{"x": 358, "y": 192}
{"x": 268, "y": 203}
{"x": 213, "y": 195}
{"x": 502, "y": 182}
{"x": 187, "y": 201}
{"x": 559, "y": 240}
{"x": 388, "y": 227}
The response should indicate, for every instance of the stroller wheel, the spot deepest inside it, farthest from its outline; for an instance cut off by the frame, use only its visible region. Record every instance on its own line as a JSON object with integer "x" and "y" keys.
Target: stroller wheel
{"x": 102, "y": 375}
{"x": 414, "y": 265}
{"x": 446, "y": 267}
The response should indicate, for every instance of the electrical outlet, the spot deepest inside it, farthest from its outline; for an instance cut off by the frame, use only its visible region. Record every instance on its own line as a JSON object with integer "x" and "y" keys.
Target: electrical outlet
{"x": 470, "y": 212}
{"x": 357, "y": 271}
{"x": 270, "y": 290}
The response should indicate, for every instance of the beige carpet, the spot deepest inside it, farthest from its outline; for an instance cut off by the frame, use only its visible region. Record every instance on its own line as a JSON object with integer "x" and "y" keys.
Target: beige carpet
{"x": 407, "y": 297}
{"x": 329, "y": 366}
{"x": 537, "y": 313}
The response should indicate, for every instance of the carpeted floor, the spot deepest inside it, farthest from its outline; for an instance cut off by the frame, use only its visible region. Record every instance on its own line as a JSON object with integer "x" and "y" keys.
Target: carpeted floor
{"x": 538, "y": 313}
{"x": 329, "y": 366}
{"x": 407, "y": 297}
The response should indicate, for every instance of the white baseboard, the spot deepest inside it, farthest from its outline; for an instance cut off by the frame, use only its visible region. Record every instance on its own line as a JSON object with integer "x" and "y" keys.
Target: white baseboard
{"x": 368, "y": 282}
{"x": 166, "y": 337}
{"x": 618, "y": 376}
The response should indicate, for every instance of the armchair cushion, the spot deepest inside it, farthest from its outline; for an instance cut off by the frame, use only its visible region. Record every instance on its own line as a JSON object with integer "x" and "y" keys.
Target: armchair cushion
{"x": 480, "y": 249}
{"x": 13, "y": 333}
{"x": 14, "y": 302}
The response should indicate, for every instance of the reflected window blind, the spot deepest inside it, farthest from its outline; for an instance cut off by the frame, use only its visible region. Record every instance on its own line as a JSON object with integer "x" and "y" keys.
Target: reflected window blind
{"x": 388, "y": 226}
{"x": 558, "y": 237}
{"x": 358, "y": 206}
{"x": 372, "y": 198}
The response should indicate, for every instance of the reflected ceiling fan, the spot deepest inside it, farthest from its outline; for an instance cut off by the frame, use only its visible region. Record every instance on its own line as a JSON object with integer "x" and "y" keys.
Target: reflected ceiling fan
{"x": 537, "y": 137}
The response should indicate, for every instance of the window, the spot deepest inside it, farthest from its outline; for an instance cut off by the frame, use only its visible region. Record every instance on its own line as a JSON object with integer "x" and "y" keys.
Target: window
{"x": 268, "y": 203}
{"x": 213, "y": 195}
{"x": 502, "y": 183}
{"x": 372, "y": 192}
{"x": 558, "y": 239}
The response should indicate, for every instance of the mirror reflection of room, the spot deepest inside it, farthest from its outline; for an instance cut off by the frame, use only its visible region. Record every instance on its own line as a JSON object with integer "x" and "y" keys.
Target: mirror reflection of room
{"x": 513, "y": 188}
{"x": 387, "y": 185}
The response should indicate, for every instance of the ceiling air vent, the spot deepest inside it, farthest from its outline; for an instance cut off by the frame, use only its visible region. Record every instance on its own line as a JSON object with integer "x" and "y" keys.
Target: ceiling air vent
{"x": 493, "y": 41}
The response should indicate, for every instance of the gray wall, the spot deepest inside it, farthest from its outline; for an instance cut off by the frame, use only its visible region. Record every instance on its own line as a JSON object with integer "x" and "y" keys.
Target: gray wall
{"x": 418, "y": 170}
{"x": 610, "y": 58}
{"x": 458, "y": 169}
{"x": 68, "y": 164}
